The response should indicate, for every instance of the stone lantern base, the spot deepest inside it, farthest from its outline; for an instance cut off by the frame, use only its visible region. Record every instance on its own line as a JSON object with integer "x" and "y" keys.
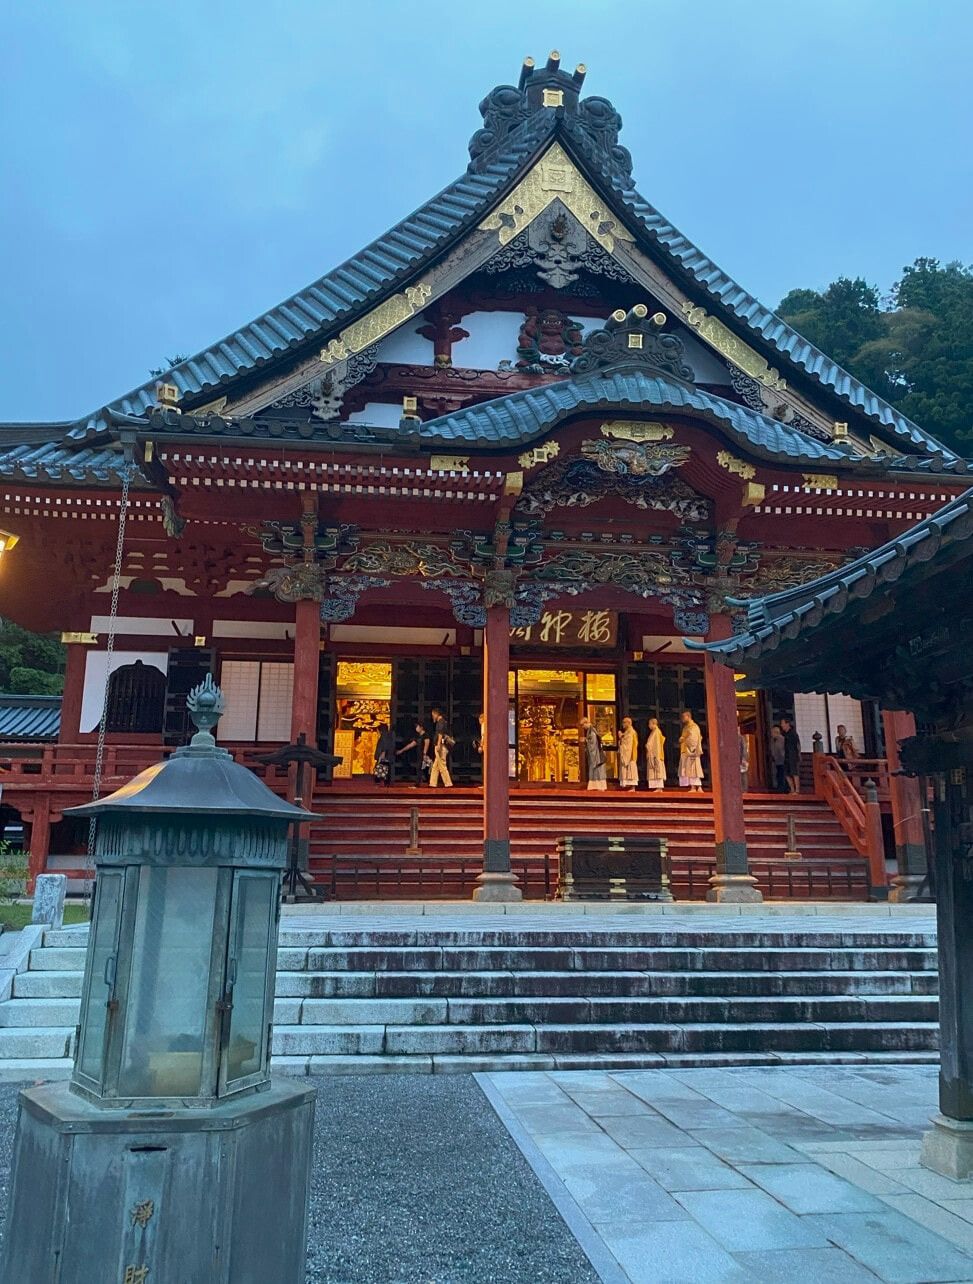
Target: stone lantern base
{"x": 217, "y": 1194}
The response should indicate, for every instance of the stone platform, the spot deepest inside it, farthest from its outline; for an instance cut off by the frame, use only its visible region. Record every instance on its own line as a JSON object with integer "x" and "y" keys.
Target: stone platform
{"x": 445, "y": 987}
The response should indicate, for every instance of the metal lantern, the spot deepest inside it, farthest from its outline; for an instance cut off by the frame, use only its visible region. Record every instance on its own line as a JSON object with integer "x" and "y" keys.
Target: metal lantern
{"x": 178, "y": 994}
{"x": 172, "y": 1154}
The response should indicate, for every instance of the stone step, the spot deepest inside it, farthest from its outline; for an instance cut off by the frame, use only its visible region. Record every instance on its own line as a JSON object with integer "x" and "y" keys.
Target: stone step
{"x": 600, "y": 959}
{"x": 36, "y": 1041}
{"x": 518, "y": 1039}
{"x": 497, "y": 984}
{"x": 546, "y": 1010}
{"x": 47, "y": 985}
{"x": 524, "y": 937}
{"x": 58, "y": 958}
{"x": 23, "y": 1014}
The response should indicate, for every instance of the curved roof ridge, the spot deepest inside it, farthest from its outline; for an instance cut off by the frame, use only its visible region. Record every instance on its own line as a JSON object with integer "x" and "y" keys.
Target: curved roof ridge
{"x": 518, "y": 416}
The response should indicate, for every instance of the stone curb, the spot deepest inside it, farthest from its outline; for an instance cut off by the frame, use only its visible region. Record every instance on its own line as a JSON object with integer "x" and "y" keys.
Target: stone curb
{"x": 592, "y": 1245}
{"x": 17, "y": 958}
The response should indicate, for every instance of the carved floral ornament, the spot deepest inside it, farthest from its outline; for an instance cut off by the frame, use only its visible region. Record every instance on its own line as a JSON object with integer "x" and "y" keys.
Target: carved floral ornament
{"x": 635, "y": 459}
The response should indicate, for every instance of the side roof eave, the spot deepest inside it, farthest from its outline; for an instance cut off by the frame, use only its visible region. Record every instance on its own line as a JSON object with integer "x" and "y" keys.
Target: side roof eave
{"x": 793, "y": 612}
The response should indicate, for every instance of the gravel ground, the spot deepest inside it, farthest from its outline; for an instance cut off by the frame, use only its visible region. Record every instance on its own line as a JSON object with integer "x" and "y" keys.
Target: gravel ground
{"x": 415, "y": 1181}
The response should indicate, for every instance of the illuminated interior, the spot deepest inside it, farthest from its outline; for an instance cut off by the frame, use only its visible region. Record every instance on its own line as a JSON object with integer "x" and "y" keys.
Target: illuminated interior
{"x": 364, "y": 705}
{"x": 546, "y": 708}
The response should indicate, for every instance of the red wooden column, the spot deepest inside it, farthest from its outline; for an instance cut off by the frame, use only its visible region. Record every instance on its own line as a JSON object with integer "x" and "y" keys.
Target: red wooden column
{"x": 307, "y": 659}
{"x": 497, "y": 882}
{"x": 74, "y": 667}
{"x": 732, "y": 880}
{"x": 40, "y": 840}
{"x": 906, "y": 798}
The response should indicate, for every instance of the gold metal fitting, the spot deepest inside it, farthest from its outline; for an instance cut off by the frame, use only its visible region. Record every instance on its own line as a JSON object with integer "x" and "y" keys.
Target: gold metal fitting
{"x": 640, "y": 310}
{"x": 410, "y": 405}
{"x": 658, "y": 319}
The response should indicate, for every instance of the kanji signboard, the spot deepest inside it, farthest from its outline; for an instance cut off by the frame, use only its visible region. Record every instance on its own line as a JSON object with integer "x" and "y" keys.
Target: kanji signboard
{"x": 563, "y": 629}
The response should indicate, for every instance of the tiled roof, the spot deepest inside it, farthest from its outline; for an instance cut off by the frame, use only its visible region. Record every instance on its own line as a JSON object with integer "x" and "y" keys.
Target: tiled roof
{"x": 798, "y": 611}
{"x": 29, "y": 717}
{"x": 315, "y": 314}
{"x": 330, "y": 302}
{"x": 520, "y": 416}
{"x": 64, "y": 461}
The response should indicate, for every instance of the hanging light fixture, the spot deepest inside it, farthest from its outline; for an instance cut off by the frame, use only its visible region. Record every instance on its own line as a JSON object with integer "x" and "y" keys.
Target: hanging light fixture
{"x": 7, "y": 541}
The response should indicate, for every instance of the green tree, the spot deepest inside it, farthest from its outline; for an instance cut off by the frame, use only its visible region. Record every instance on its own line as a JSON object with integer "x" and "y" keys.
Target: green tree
{"x": 916, "y": 351}
{"x": 30, "y": 663}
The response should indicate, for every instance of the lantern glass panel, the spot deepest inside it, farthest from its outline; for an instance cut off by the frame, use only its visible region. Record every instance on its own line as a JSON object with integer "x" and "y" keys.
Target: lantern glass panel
{"x": 254, "y": 912}
{"x": 107, "y": 908}
{"x": 162, "y": 1050}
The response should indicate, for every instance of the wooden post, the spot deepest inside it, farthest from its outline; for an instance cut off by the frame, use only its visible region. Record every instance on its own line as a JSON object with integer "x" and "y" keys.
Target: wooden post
{"x": 732, "y": 880}
{"x": 875, "y": 844}
{"x": 948, "y": 1146}
{"x": 307, "y": 658}
{"x": 74, "y": 668}
{"x": 40, "y": 839}
{"x": 906, "y": 799}
{"x": 497, "y": 881}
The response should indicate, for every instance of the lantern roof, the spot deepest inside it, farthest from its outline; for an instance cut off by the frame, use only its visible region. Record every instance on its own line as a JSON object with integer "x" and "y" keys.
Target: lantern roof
{"x": 200, "y": 778}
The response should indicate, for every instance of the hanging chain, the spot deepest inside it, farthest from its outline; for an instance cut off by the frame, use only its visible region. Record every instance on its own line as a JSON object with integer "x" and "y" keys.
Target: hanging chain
{"x": 89, "y": 865}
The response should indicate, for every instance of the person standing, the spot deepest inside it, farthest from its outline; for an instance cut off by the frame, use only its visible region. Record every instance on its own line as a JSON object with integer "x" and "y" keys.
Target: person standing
{"x": 777, "y": 753}
{"x": 384, "y": 756}
{"x": 442, "y": 742}
{"x": 792, "y": 756}
{"x": 628, "y": 756}
{"x": 419, "y": 743}
{"x": 744, "y": 763}
{"x": 594, "y": 757}
{"x": 844, "y": 745}
{"x": 690, "y": 754}
{"x": 655, "y": 759}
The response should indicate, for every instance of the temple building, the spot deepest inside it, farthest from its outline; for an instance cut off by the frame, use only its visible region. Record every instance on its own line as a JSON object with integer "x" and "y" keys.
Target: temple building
{"x": 501, "y": 463}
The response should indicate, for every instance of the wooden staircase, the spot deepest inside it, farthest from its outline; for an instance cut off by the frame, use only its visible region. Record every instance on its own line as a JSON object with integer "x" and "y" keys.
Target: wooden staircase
{"x": 363, "y": 846}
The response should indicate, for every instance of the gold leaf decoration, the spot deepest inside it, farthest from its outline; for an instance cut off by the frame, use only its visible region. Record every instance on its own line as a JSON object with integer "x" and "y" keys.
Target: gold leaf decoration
{"x": 539, "y": 455}
{"x": 555, "y": 177}
{"x": 734, "y": 465}
{"x": 733, "y": 348}
{"x": 377, "y": 323}
{"x": 630, "y": 430}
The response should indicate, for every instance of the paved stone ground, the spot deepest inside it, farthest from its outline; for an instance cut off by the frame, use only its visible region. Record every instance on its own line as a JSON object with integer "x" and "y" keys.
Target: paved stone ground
{"x": 739, "y": 1175}
{"x": 416, "y": 1181}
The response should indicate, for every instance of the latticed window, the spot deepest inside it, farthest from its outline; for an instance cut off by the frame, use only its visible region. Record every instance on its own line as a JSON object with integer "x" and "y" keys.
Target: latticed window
{"x": 136, "y": 698}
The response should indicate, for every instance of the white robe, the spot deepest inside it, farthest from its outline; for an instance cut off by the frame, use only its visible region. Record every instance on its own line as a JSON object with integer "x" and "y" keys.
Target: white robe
{"x": 691, "y": 755}
{"x": 628, "y": 758}
{"x": 655, "y": 762}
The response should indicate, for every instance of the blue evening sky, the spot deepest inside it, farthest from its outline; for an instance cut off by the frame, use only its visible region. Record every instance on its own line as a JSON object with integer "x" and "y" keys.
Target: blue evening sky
{"x": 170, "y": 171}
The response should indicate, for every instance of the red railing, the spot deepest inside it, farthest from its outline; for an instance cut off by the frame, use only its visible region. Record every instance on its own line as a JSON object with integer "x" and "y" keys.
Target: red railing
{"x": 859, "y": 770}
{"x": 71, "y": 768}
{"x": 859, "y": 814}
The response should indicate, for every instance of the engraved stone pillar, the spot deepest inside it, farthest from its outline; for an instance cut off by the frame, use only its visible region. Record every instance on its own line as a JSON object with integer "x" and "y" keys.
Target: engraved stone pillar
{"x": 497, "y": 882}
{"x": 732, "y": 880}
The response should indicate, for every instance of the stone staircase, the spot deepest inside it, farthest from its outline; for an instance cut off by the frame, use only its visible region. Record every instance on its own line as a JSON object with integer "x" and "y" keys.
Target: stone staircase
{"x": 423, "y": 997}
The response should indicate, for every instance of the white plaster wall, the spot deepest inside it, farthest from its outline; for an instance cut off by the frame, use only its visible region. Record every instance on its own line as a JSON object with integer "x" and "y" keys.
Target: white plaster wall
{"x": 96, "y": 674}
{"x": 384, "y": 414}
{"x": 493, "y": 338}
{"x": 406, "y": 346}
{"x": 707, "y": 366}
{"x": 141, "y": 624}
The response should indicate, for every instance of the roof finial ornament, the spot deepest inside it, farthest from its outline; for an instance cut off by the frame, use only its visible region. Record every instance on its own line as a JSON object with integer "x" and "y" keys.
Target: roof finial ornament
{"x": 593, "y": 122}
{"x": 205, "y": 704}
{"x": 634, "y": 338}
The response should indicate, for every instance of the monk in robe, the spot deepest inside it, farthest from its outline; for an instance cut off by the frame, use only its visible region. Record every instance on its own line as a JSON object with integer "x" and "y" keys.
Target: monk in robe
{"x": 628, "y": 756}
{"x": 594, "y": 756}
{"x": 690, "y": 754}
{"x": 655, "y": 759}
